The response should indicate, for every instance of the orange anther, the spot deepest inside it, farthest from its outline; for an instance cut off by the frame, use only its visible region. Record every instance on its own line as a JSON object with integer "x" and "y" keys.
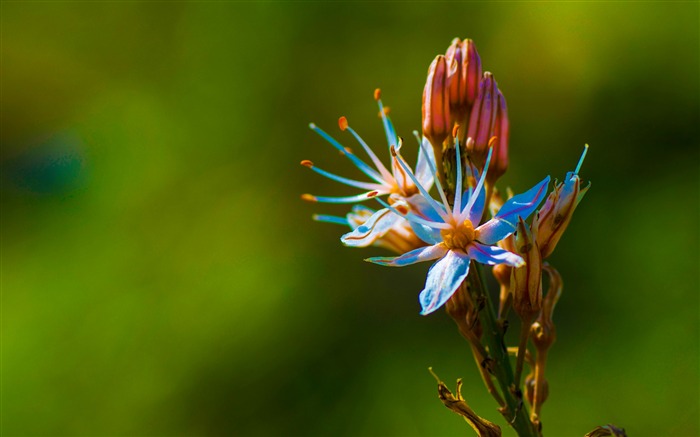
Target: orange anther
{"x": 309, "y": 198}
{"x": 377, "y": 94}
{"x": 343, "y": 123}
{"x": 307, "y": 163}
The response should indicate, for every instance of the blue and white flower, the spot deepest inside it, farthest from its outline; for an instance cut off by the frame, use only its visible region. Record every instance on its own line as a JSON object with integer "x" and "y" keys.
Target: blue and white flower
{"x": 453, "y": 233}
{"x": 402, "y": 191}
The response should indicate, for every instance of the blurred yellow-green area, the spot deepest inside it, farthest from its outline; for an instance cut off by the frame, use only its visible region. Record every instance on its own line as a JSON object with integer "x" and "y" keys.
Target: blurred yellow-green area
{"x": 161, "y": 276}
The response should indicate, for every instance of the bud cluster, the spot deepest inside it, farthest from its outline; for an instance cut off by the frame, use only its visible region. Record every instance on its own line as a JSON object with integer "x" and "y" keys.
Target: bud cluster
{"x": 459, "y": 94}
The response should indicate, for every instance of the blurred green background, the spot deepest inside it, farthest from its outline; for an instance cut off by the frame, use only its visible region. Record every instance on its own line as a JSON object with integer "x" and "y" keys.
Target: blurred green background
{"x": 160, "y": 275}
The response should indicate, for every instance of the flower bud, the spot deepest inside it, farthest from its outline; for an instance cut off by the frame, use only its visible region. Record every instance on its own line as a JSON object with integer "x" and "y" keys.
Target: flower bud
{"x": 530, "y": 389}
{"x": 464, "y": 77}
{"x": 436, "y": 109}
{"x": 488, "y": 116}
{"x": 526, "y": 281}
{"x": 462, "y": 309}
{"x": 552, "y": 220}
{"x": 499, "y": 159}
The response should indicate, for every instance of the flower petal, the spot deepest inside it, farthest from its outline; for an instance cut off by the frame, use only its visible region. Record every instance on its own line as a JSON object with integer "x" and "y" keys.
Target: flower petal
{"x": 426, "y": 233}
{"x": 493, "y": 255}
{"x": 444, "y": 277}
{"x": 426, "y": 160}
{"x": 477, "y": 210}
{"x": 505, "y": 222}
{"x": 421, "y": 254}
{"x": 375, "y": 227}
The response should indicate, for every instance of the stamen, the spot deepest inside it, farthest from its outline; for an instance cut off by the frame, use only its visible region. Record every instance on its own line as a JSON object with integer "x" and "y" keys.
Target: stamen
{"x": 377, "y": 163}
{"x": 330, "y": 219}
{"x": 479, "y": 186}
{"x": 391, "y": 139}
{"x": 580, "y": 161}
{"x": 353, "y": 183}
{"x": 343, "y": 123}
{"x": 433, "y": 170}
{"x": 309, "y": 198}
{"x": 366, "y": 169}
{"x": 458, "y": 184}
{"x": 414, "y": 218}
{"x": 436, "y": 206}
{"x": 348, "y": 199}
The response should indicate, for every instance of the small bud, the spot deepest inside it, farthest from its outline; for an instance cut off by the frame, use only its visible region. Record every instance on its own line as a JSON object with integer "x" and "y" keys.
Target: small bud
{"x": 465, "y": 75}
{"x": 530, "y": 389}
{"x": 543, "y": 332}
{"x": 436, "y": 109}
{"x": 488, "y": 116}
{"x": 554, "y": 217}
{"x": 607, "y": 430}
{"x": 526, "y": 281}
{"x": 462, "y": 309}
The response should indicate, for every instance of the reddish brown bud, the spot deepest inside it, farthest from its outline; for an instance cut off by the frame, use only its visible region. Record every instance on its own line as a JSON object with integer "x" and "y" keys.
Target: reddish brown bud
{"x": 499, "y": 159}
{"x": 465, "y": 75}
{"x": 488, "y": 116}
{"x": 436, "y": 109}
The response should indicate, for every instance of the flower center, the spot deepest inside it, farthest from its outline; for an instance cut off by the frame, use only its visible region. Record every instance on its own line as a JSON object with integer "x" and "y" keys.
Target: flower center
{"x": 459, "y": 236}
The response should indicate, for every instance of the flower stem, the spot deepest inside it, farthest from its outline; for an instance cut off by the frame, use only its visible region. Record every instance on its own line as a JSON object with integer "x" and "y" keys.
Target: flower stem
{"x": 516, "y": 412}
{"x": 522, "y": 347}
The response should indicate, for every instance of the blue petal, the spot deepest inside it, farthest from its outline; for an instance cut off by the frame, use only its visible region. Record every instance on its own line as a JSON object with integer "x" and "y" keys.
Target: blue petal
{"x": 493, "y": 255}
{"x": 427, "y": 253}
{"x": 444, "y": 277}
{"x": 426, "y": 233}
{"x": 375, "y": 227}
{"x": 477, "y": 210}
{"x": 506, "y": 220}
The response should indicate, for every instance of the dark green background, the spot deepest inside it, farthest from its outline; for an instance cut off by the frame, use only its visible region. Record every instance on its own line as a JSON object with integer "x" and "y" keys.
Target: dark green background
{"x": 160, "y": 275}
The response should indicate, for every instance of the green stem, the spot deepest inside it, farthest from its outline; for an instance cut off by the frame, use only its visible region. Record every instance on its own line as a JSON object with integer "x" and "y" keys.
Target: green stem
{"x": 516, "y": 412}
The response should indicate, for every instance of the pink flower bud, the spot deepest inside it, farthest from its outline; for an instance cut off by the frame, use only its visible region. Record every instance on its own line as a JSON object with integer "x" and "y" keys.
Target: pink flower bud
{"x": 436, "y": 109}
{"x": 489, "y": 116}
{"x": 465, "y": 75}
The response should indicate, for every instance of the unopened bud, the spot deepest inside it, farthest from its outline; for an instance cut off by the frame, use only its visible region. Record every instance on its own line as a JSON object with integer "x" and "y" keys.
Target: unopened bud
{"x": 488, "y": 113}
{"x": 607, "y": 430}
{"x": 462, "y": 309}
{"x": 530, "y": 389}
{"x": 499, "y": 159}
{"x": 465, "y": 75}
{"x": 526, "y": 281}
{"x": 554, "y": 217}
{"x": 436, "y": 108}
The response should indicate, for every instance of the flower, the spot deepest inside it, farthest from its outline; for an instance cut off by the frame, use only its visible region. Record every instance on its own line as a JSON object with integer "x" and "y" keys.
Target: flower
{"x": 551, "y": 221}
{"x": 454, "y": 236}
{"x": 398, "y": 238}
{"x": 402, "y": 190}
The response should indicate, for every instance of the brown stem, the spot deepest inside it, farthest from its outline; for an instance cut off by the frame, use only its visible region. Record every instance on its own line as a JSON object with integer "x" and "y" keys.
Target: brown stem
{"x": 539, "y": 385}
